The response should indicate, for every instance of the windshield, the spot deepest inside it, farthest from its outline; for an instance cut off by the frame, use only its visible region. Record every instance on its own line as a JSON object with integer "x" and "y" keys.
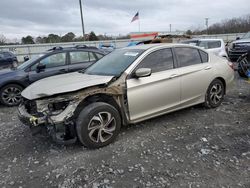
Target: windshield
{"x": 246, "y": 36}
{"x": 115, "y": 63}
{"x": 27, "y": 63}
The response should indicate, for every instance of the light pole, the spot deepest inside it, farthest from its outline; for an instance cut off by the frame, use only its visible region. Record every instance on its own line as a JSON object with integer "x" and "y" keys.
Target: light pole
{"x": 206, "y": 23}
{"x": 83, "y": 32}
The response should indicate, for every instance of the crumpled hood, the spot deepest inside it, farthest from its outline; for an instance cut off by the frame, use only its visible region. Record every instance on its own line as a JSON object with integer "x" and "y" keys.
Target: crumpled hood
{"x": 62, "y": 84}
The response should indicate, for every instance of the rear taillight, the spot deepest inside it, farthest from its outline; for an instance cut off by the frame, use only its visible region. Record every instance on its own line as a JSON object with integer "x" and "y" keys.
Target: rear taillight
{"x": 230, "y": 65}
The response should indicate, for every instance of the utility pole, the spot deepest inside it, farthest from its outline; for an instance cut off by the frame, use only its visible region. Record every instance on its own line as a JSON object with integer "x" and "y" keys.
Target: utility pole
{"x": 206, "y": 23}
{"x": 170, "y": 28}
{"x": 83, "y": 31}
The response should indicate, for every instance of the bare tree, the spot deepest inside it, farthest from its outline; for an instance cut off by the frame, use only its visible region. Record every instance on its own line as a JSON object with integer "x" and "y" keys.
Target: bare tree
{"x": 2, "y": 39}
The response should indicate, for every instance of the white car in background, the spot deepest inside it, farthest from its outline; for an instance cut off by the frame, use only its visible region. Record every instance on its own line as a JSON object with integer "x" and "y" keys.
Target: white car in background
{"x": 217, "y": 46}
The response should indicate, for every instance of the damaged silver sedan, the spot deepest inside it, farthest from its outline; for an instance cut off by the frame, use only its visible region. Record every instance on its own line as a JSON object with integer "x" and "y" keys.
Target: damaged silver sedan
{"x": 127, "y": 86}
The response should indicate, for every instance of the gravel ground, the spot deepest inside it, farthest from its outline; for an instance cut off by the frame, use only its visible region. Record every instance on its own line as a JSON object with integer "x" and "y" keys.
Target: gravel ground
{"x": 195, "y": 147}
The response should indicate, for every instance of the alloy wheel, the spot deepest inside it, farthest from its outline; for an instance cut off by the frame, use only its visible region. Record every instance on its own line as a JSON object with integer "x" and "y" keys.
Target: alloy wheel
{"x": 216, "y": 93}
{"x": 101, "y": 127}
{"x": 11, "y": 96}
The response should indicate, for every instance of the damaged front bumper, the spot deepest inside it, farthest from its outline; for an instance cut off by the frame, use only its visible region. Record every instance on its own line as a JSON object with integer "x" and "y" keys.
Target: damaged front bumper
{"x": 60, "y": 124}
{"x": 28, "y": 119}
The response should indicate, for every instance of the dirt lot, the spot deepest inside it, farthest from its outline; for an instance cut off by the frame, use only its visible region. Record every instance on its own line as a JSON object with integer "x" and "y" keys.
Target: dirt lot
{"x": 195, "y": 147}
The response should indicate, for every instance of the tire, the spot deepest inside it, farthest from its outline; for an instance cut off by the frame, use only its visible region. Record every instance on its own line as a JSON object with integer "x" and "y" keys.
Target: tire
{"x": 215, "y": 94}
{"x": 92, "y": 127}
{"x": 10, "y": 95}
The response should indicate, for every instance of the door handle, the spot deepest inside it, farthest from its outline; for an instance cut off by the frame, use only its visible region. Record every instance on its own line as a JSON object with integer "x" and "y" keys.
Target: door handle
{"x": 208, "y": 68}
{"x": 63, "y": 70}
{"x": 173, "y": 76}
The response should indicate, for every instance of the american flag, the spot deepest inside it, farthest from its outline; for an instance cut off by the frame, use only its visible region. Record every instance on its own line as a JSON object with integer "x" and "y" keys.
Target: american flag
{"x": 136, "y": 17}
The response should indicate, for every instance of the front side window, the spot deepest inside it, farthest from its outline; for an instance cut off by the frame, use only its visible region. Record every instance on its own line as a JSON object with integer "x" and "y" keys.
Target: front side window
{"x": 54, "y": 60}
{"x": 157, "y": 61}
{"x": 79, "y": 57}
{"x": 188, "y": 56}
{"x": 91, "y": 57}
{"x": 99, "y": 56}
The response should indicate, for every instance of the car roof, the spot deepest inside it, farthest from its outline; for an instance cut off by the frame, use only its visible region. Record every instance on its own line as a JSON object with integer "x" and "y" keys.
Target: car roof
{"x": 150, "y": 46}
{"x": 68, "y": 49}
{"x": 210, "y": 40}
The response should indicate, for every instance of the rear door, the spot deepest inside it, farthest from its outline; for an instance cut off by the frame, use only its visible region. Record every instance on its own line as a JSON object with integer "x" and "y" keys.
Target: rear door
{"x": 195, "y": 73}
{"x": 55, "y": 64}
{"x": 80, "y": 60}
{"x": 155, "y": 94}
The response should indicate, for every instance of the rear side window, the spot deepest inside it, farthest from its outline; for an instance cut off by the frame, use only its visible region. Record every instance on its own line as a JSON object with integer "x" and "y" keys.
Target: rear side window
{"x": 79, "y": 57}
{"x": 210, "y": 44}
{"x": 204, "y": 56}
{"x": 157, "y": 61}
{"x": 188, "y": 56}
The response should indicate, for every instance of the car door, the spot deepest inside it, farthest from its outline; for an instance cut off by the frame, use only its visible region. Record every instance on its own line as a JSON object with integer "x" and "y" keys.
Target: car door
{"x": 195, "y": 73}
{"x": 157, "y": 93}
{"x": 80, "y": 60}
{"x": 53, "y": 65}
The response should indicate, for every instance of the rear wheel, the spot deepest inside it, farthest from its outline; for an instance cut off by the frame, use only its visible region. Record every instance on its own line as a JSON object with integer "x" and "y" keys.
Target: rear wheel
{"x": 215, "y": 94}
{"x": 98, "y": 125}
{"x": 10, "y": 95}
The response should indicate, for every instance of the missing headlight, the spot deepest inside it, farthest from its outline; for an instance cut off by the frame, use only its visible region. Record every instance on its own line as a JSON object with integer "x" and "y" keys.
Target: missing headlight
{"x": 58, "y": 106}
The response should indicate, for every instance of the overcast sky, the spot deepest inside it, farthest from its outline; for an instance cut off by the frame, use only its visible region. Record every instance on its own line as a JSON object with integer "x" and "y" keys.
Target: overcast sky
{"x": 40, "y": 17}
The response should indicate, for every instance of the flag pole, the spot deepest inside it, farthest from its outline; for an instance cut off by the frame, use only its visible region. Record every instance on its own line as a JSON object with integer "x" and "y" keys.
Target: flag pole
{"x": 139, "y": 24}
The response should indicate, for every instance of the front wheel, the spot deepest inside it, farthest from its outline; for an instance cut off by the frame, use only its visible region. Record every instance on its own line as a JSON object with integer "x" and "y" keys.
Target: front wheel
{"x": 215, "y": 94}
{"x": 98, "y": 125}
{"x": 10, "y": 95}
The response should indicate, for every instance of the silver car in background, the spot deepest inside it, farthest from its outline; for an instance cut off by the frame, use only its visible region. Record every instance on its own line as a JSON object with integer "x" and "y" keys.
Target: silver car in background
{"x": 216, "y": 46}
{"x": 127, "y": 86}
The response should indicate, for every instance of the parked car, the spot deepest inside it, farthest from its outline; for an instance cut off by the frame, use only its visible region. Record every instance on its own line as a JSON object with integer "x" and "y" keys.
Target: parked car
{"x": 239, "y": 47}
{"x": 53, "y": 62}
{"x": 217, "y": 46}
{"x": 7, "y": 59}
{"x": 127, "y": 86}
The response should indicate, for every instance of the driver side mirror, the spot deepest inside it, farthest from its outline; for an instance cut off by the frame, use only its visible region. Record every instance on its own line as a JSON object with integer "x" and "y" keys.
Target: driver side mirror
{"x": 237, "y": 38}
{"x": 143, "y": 72}
{"x": 40, "y": 68}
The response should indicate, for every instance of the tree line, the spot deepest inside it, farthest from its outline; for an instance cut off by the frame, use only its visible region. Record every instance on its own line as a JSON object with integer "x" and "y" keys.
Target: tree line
{"x": 233, "y": 25}
{"x": 54, "y": 38}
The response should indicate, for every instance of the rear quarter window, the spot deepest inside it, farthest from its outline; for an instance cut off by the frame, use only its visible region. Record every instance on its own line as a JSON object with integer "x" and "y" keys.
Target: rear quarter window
{"x": 204, "y": 56}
